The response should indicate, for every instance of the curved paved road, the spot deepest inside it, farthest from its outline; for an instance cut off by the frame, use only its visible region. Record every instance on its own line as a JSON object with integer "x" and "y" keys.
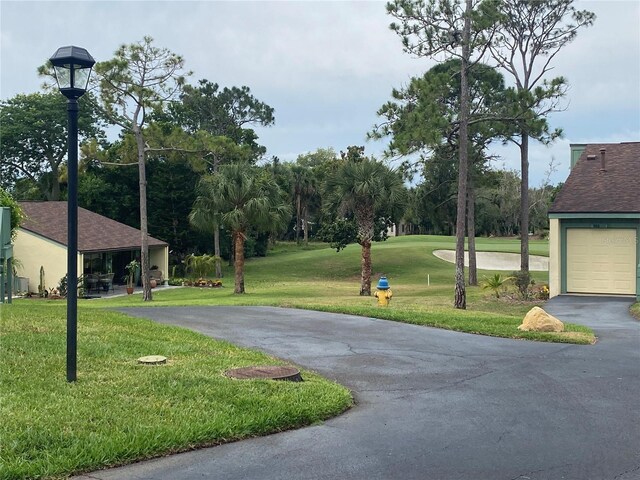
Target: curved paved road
{"x": 433, "y": 404}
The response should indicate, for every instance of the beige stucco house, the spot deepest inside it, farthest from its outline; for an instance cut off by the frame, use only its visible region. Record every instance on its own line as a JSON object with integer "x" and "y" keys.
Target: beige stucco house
{"x": 594, "y": 237}
{"x": 104, "y": 245}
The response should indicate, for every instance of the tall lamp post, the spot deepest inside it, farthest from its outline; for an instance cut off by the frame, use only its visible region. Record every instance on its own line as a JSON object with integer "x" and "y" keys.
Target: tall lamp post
{"x": 72, "y": 66}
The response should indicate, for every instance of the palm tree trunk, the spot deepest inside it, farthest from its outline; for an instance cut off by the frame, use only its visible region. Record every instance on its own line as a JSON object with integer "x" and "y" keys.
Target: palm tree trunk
{"x": 216, "y": 232}
{"x": 365, "y": 275}
{"x": 306, "y": 226}
{"x": 238, "y": 238}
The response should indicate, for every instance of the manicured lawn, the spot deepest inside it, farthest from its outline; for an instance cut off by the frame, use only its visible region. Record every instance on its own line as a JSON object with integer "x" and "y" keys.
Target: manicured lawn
{"x": 120, "y": 411}
{"x": 635, "y": 310}
{"x": 319, "y": 278}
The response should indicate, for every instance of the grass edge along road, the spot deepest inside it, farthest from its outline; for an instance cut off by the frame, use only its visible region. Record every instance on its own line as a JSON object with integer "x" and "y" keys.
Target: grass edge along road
{"x": 119, "y": 411}
{"x": 318, "y": 278}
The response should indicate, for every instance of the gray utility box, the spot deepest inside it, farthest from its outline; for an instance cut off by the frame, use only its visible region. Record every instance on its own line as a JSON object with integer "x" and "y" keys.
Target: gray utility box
{"x": 20, "y": 284}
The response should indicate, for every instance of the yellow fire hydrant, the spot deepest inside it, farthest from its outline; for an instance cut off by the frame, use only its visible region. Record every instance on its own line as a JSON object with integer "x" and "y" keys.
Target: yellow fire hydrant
{"x": 384, "y": 293}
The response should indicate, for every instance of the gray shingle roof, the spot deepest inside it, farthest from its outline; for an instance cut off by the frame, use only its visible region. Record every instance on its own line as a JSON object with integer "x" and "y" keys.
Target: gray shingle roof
{"x": 96, "y": 233}
{"x": 589, "y": 189}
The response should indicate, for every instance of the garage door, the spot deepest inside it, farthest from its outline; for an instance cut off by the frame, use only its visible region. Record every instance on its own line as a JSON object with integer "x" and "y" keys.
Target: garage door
{"x": 601, "y": 261}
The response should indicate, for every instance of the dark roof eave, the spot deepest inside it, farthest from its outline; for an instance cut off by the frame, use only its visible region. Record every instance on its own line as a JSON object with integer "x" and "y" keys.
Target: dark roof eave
{"x": 121, "y": 249}
{"x": 94, "y": 250}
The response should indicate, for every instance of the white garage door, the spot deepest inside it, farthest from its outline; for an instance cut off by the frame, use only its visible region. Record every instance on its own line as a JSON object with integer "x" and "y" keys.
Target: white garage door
{"x": 601, "y": 261}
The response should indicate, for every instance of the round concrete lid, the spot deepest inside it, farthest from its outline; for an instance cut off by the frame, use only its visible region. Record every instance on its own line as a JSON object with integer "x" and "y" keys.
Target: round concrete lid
{"x": 269, "y": 372}
{"x": 153, "y": 360}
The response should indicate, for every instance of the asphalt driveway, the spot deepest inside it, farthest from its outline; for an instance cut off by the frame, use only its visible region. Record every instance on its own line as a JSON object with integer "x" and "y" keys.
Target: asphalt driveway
{"x": 433, "y": 404}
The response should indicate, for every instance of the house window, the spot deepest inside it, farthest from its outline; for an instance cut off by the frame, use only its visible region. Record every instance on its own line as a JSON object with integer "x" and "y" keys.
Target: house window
{"x": 98, "y": 263}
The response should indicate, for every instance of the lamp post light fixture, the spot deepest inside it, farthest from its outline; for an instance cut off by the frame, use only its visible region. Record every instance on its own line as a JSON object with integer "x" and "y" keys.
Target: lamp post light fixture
{"x": 72, "y": 67}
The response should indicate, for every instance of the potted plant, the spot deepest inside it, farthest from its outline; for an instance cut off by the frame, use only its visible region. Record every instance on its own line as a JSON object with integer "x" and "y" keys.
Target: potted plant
{"x": 153, "y": 282}
{"x": 131, "y": 268}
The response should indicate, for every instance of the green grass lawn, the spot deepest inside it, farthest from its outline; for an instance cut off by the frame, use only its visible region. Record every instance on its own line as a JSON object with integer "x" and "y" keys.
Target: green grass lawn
{"x": 635, "y": 310}
{"x": 319, "y": 278}
{"x": 120, "y": 412}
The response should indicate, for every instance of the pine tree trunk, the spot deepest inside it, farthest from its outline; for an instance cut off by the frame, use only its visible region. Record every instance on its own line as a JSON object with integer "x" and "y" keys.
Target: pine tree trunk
{"x": 239, "y": 262}
{"x": 365, "y": 271}
{"x": 460, "y": 295}
{"x": 471, "y": 230}
{"x": 144, "y": 249}
{"x": 524, "y": 204}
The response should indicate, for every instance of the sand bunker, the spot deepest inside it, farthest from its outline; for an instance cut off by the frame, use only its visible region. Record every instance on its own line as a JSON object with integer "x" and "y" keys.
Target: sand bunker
{"x": 497, "y": 260}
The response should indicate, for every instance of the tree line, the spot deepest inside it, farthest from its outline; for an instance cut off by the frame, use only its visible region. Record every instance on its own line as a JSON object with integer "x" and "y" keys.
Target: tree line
{"x": 187, "y": 166}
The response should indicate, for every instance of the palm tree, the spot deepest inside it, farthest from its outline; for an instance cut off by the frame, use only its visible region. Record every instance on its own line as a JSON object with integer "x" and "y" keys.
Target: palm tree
{"x": 220, "y": 150}
{"x": 204, "y": 219}
{"x": 303, "y": 188}
{"x": 495, "y": 283}
{"x": 243, "y": 197}
{"x": 369, "y": 190}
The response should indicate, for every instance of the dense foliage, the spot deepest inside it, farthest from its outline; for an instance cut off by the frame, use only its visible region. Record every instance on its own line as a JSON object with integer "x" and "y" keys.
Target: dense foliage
{"x": 17, "y": 215}
{"x": 176, "y": 137}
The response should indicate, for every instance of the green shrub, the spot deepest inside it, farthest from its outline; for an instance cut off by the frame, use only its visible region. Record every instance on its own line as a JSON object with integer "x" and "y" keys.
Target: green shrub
{"x": 523, "y": 283}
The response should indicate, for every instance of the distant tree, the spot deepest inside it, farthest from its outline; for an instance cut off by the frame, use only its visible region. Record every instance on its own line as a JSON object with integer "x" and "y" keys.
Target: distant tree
{"x": 319, "y": 163}
{"x": 171, "y": 186}
{"x": 241, "y": 198}
{"x": 436, "y": 195}
{"x": 110, "y": 190}
{"x": 227, "y": 112}
{"x": 368, "y": 190}
{"x": 303, "y": 187}
{"x": 540, "y": 199}
{"x": 33, "y": 139}
{"x": 508, "y": 195}
{"x": 530, "y": 35}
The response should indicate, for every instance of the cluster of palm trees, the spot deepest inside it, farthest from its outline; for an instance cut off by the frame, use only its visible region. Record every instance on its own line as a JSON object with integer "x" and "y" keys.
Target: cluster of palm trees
{"x": 245, "y": 199}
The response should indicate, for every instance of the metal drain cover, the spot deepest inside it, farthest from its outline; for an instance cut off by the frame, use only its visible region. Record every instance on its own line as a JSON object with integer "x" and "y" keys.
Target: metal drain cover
{"x": 269, "y": 372}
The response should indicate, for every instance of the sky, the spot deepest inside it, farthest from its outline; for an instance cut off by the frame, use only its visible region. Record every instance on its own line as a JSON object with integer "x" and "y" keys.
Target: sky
{"x": 326, "y": 67}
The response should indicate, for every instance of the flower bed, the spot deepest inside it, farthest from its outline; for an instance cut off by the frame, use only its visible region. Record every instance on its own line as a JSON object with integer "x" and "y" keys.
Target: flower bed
{"x": 202, "y": 282}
